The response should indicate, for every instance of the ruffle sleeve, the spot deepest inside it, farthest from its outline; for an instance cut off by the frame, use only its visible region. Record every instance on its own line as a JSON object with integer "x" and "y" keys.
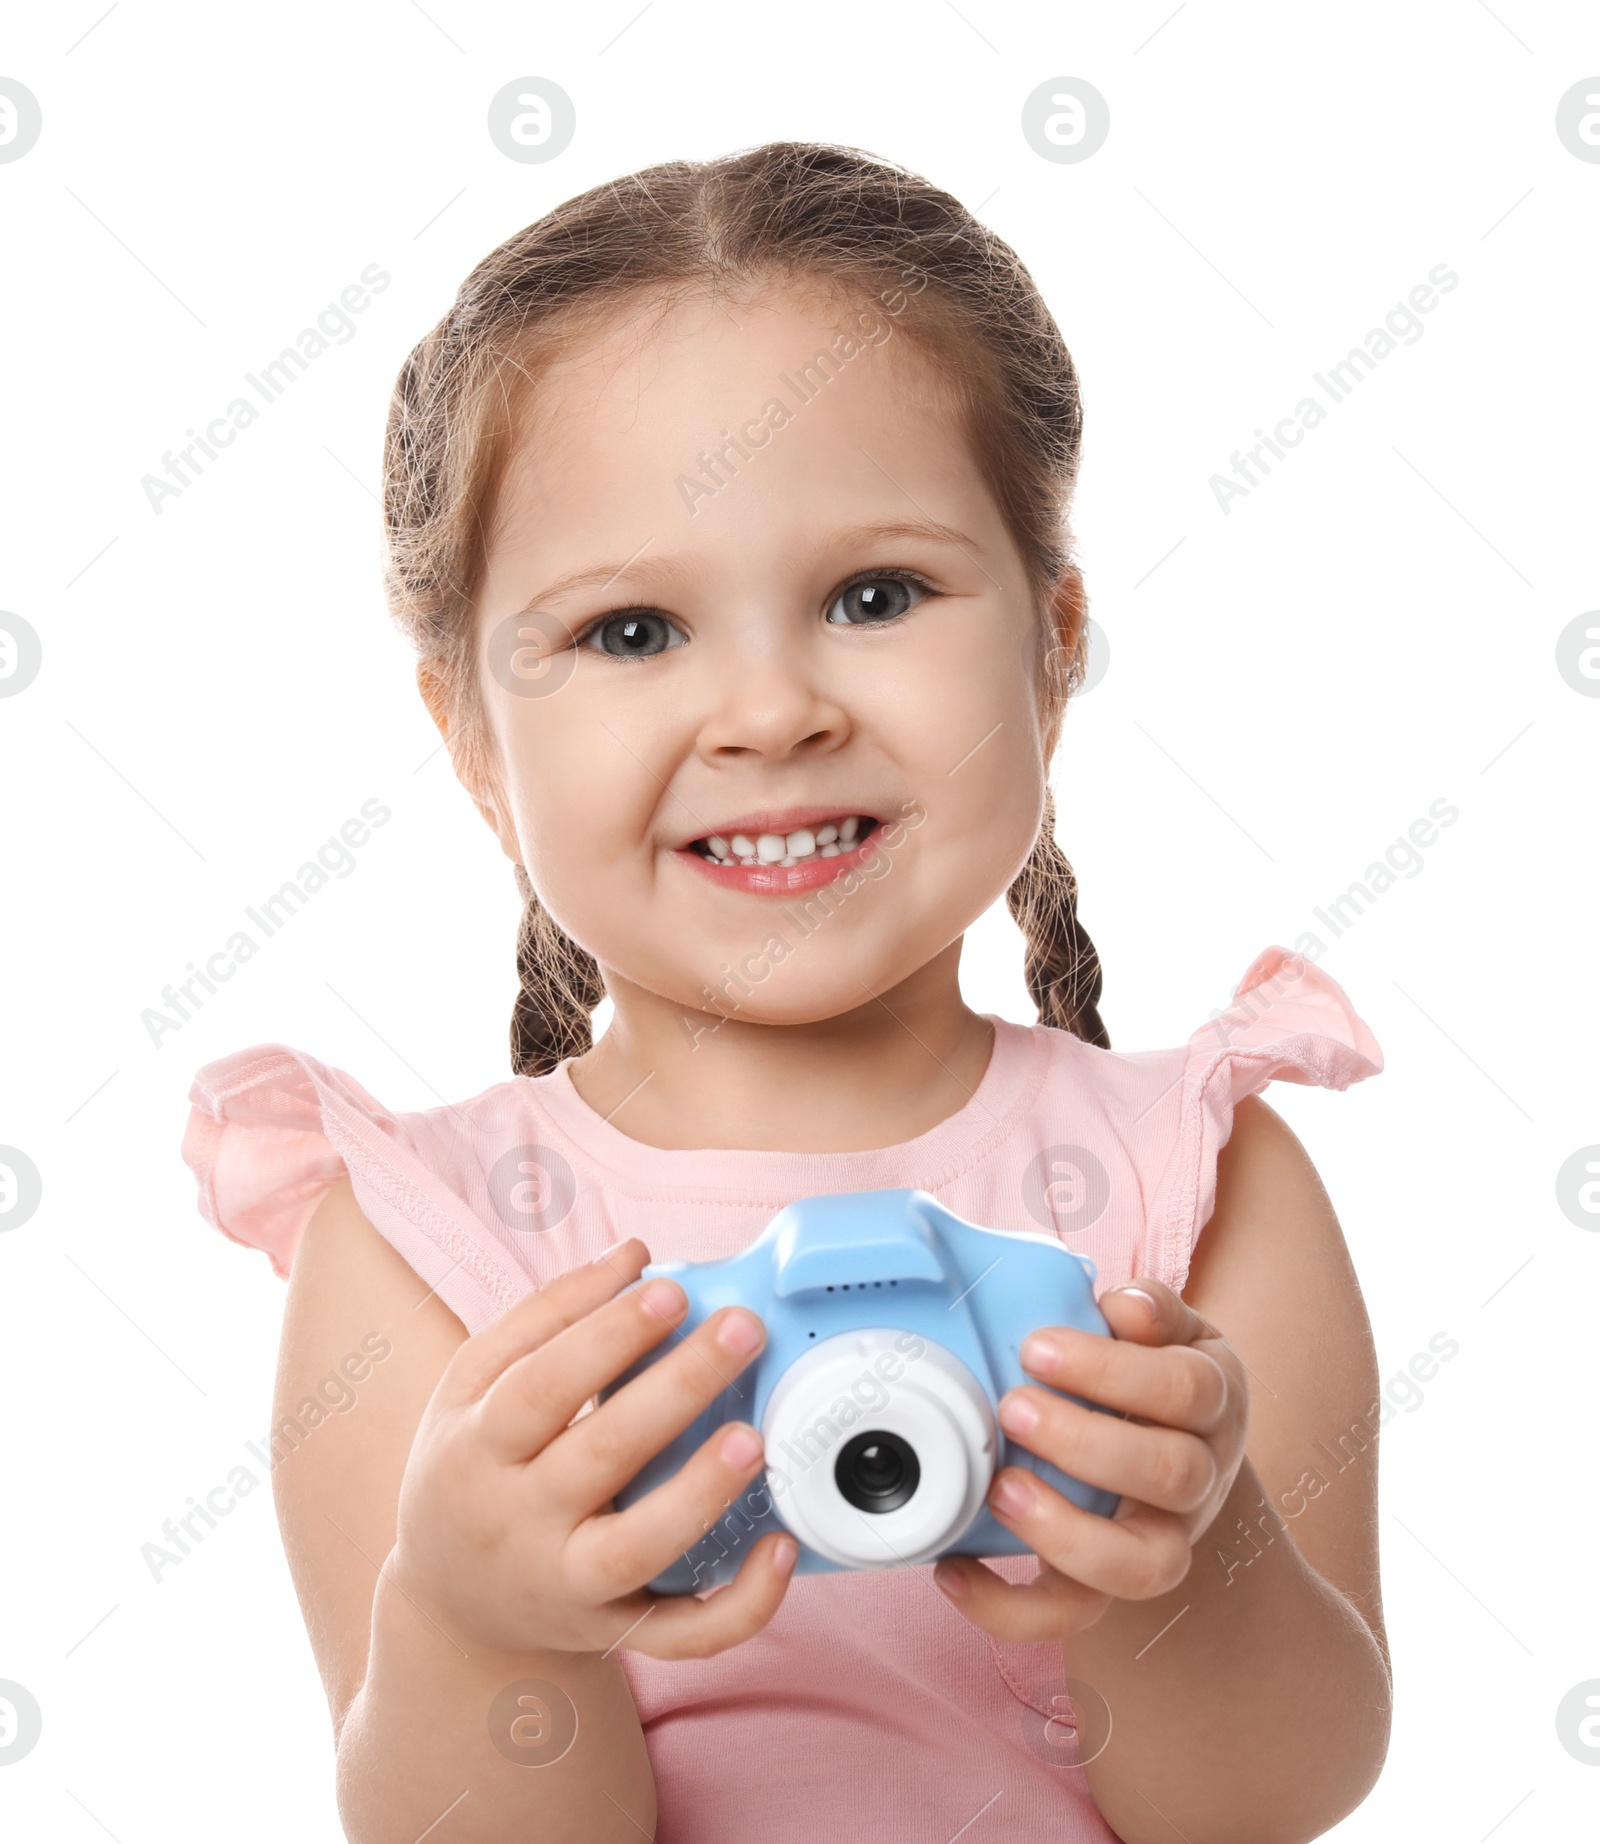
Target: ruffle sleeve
{"x": 270, "y": 1131}
{"x": 1288, "y": 1021}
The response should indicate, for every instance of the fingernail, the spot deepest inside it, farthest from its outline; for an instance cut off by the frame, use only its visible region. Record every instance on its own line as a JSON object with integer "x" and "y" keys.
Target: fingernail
{"x": 951, "y": 1580}
{"x": 1010, "y": 1495}
{"x": 741, "y": 1447}
{"x": 1038, "y": 1355}
{"x": 1018, "y": 1415}
{"x": 1148, "y": 1300}
{"x": 785, "y": 1554}
{"x": 663, "y": 1299}
{"x": 741, "y": 1333}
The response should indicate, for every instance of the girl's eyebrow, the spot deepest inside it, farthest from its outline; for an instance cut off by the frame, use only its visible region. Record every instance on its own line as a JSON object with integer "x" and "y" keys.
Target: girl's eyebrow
{"x": 600, "y": 575}
{"x": 603, "y": 575}
{"x": 912, "y": 528}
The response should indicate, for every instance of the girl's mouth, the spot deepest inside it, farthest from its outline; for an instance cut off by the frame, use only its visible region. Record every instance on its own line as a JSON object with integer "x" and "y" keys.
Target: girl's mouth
{"x": 776, "y": 863}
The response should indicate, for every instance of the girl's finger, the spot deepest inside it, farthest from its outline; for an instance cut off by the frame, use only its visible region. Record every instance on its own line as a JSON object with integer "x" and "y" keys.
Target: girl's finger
{"x": 538, "y": 1317}
{"x": 1178, "y": 1386}
{"x": 616, "y": 1552}
{"x": 1134, "y": 1555}
{"x": 1151, "y": 1313}
{"x": 1025, "y": 1612}
{"x": 682, "y": 1626}
{"x": 600, "y": 1453}
{"x": 534, "y": 1398}
{"x": 1159, "y": 1466}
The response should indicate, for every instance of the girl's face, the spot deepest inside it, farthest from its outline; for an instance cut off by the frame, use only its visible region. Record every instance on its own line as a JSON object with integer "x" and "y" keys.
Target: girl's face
{"x": 748, "y": 598}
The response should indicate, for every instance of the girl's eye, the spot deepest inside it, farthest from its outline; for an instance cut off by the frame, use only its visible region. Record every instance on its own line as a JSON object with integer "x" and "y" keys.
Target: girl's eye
{"x": 636, "y": 633}
{"x": 875, "y": 598}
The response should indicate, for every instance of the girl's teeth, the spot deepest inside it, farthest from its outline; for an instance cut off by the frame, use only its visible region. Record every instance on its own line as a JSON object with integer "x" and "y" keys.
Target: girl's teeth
{"x": 776, "y": 848}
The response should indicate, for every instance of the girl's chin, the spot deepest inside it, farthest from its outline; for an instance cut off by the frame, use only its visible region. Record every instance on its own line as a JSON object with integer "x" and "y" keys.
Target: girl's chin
{"x": 730, "y": 1009}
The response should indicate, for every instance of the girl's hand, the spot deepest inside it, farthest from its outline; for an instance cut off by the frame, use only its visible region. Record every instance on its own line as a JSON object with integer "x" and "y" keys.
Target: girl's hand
{"x": 1174, "y": 1462}
{"x": 506, "y": 1538}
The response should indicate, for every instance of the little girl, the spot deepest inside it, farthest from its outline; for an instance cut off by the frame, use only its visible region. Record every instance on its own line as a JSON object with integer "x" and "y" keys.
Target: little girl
{"x": 726, "y": 509}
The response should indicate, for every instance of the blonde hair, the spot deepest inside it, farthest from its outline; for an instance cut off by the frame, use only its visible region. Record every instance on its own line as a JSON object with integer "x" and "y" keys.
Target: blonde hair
{"x": 791, "y": 212}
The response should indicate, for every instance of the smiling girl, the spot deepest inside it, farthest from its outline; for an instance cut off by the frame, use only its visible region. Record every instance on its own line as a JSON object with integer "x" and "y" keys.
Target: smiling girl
{"x": 760, "y": 753}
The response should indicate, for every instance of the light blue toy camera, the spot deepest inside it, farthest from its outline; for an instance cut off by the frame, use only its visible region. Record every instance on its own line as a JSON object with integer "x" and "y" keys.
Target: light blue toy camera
{"x": 893, "y": 1329}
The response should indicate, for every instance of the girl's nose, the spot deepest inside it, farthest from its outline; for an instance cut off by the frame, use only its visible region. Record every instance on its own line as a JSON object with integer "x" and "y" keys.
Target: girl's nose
{"x": 770, "y": 705}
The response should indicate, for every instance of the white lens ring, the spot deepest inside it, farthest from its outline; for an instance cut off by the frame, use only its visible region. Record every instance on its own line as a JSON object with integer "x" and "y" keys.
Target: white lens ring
{"x": 879, "y": 1379}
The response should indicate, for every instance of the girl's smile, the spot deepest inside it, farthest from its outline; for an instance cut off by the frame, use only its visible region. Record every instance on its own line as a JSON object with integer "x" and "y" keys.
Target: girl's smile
{"x": 779, "y": 851}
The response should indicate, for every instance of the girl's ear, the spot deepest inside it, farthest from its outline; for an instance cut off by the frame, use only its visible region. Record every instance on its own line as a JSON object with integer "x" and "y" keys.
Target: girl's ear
{"x": 1067, "y": 615}
{"x": 467, "y": 758}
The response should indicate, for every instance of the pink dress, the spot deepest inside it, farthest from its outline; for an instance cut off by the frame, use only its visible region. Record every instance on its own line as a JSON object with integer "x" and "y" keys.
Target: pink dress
{"x": 868, "y": 1708}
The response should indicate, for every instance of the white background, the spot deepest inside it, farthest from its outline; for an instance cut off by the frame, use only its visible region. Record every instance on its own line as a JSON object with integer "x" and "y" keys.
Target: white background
{"x": 1291, "y": 684}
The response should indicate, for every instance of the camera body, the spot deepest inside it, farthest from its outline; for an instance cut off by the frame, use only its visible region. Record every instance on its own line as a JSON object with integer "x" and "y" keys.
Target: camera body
{"x": 893, "y": 1329}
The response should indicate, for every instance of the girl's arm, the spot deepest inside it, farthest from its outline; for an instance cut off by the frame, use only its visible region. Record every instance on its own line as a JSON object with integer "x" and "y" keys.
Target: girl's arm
{"x": 1249, "y": 1703}
{"x": 410, "y": 1704}
{"x": 1263, "y": 1713}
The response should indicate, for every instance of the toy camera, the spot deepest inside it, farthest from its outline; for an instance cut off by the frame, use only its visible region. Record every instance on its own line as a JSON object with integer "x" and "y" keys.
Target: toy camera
{"x": 893, "y": 1329}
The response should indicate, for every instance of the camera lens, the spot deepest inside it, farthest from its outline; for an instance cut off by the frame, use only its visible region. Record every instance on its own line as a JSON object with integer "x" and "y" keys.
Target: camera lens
{"x": 877, "y": 1472}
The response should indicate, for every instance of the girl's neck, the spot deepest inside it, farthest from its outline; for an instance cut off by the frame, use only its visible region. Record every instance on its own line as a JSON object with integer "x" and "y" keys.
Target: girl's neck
{"x": 883, "y": 1073}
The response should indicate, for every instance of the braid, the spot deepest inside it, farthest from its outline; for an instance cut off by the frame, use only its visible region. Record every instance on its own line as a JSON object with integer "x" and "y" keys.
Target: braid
{"x": 560, "y": 986}
{"x": 1061, "y": 963}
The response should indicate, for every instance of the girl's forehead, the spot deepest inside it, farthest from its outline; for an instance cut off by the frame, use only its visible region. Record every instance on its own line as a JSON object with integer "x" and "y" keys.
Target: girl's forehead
{"x": 699, "y": 367}
{"x": 692, "y": 421}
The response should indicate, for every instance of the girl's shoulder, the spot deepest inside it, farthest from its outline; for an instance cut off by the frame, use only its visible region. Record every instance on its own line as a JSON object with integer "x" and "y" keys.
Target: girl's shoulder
{"x": 272, "y": 1129}
{"x": 1287, "y": 1019}
{"x": 1122, "y": 1146}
